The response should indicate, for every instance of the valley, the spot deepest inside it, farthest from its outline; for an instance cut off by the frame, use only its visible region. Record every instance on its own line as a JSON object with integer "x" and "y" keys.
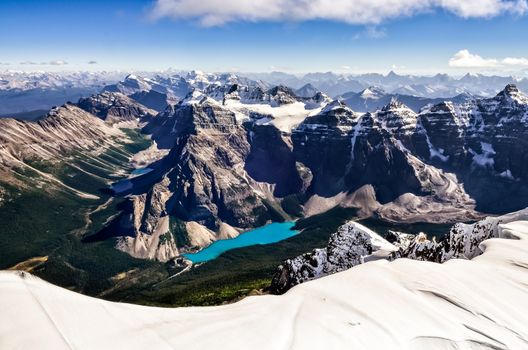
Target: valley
{"x": 114, "y": 199}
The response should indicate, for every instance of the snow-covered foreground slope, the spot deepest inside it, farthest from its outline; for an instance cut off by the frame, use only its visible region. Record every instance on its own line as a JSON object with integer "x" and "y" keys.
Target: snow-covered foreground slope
{"x": 405, "y": 304}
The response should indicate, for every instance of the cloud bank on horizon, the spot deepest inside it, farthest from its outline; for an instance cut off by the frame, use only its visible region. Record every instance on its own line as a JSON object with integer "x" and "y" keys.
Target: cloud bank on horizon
{"x": 363, "y": 12}
{"x": 50, "y": 63}
{"x": 466, "y": 59}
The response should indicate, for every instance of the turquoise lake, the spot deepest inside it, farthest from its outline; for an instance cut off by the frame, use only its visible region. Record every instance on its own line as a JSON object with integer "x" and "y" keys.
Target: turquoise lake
{"x": 271, "y": 233}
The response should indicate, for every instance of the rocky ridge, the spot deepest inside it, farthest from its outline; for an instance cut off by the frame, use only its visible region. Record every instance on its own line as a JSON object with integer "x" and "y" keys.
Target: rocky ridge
{"x": 353, "y": 244}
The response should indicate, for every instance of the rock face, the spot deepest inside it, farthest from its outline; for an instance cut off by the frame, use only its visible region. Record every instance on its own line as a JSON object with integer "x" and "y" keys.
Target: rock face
{"x": 353, "y": 244}
{"x": 346, "y": 248}
{"x": 152, "y": 99}
{"x": 36, "y": 155}
{"x": 482, "y": 143}
{"x": 346, "y": 151}
{"x": 64, "y": 129}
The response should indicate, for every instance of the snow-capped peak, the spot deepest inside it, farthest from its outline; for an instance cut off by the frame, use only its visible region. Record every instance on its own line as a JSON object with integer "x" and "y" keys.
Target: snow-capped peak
{"x": 512, "y": 93}
{"x": 395, "y": 104}
{"x": 131, "y": 77}
{"x": 335, "y": 104}
{"x": 372, "y": 93}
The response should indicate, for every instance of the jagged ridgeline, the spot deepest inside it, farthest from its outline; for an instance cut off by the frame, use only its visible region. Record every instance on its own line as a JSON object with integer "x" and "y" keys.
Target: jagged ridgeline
{"x": 228, "y": 154}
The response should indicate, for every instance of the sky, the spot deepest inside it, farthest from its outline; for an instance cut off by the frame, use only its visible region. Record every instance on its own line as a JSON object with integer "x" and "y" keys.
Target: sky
{"x": 295, "y": 36}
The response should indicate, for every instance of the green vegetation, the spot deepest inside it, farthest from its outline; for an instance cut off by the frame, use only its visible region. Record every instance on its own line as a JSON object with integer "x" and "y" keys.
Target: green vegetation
{"x": 51, "y": 221}
{"x": 178, "y": 230}
{"x": 243, "y": 271}
{"x": 164, "y": 238}
{"x": 292, "y": 205}
{"x": 139, "y": 141}
{"x": 240, "y": 271}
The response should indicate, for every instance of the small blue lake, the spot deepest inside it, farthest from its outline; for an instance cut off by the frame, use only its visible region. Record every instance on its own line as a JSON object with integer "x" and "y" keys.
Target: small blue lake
{"x": 275, "y": 232}
{"x": 126, "y": 184}
{"x": 140, "y": 171}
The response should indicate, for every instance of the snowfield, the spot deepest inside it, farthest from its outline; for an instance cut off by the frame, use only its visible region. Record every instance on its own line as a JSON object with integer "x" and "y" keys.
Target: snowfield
{"x": 285, "y": 117}
{"x": 462, "y": 304}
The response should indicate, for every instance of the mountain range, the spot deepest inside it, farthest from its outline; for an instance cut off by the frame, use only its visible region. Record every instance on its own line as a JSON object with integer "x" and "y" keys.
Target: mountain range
{"x": 25, "y": 94}
{"x": 233, "y": 154}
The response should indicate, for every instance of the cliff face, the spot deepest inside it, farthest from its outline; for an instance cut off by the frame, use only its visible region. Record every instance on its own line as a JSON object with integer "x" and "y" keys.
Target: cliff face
{"x": 482, "y": 142}
{"x": 346, "y": 151}
{"x": 63, "y": 129}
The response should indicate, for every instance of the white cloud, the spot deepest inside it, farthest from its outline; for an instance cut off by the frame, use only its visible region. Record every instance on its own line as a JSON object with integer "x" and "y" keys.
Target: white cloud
{"x": 515, "y": 61}
{"x": 396, "y": 67}
{"x": 364, "y": 12}
{"x": 56, "y": 63}
{"x": 484, "y": 8}
{"x": 371, "y": 32}
{"x": 50, "y": 63}
{"x": 465, "y": 59}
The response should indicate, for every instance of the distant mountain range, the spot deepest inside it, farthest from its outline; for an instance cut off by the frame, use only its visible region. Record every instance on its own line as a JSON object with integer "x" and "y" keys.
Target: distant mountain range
{"x": 28, "y": 92}
{"x": 437, "y": 86}
{"x": 372, "y": 99}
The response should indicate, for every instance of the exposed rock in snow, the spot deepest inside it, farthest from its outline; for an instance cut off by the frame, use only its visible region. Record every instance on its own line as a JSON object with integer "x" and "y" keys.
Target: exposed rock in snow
{"x": 347, "y": 151}
{"x": 348, "y": 247}
{"x": 372, "y": 99}
{"x": 462, "y": 242}
{"x": 353, "y": 244}
{"x": 404, "y": 304}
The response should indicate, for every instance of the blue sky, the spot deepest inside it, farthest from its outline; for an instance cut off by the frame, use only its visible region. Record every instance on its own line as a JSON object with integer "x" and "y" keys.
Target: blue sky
{"x": 156, "y": 35}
